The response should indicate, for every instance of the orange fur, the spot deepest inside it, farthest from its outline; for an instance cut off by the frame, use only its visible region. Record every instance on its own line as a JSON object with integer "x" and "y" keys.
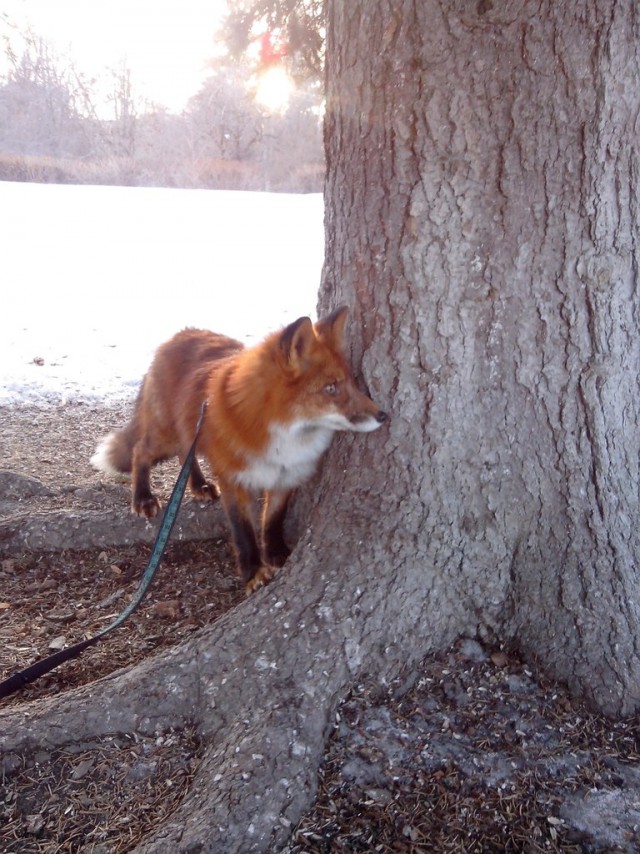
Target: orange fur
{"x": 272, "y": 410}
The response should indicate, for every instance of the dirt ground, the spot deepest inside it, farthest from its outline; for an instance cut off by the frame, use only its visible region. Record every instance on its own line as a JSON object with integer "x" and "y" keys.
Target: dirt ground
{"x": 471, "y": 752}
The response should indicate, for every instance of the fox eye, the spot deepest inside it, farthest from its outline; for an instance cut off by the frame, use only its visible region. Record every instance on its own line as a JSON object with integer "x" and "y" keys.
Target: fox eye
{"x": 331, "y": 389}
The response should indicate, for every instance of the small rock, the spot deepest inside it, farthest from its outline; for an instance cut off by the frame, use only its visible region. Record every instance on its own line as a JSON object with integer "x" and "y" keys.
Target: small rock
{"x": 381, "y": 796}
{"x": 472, "y": 650}
{"x": 81, "y": 769}
{"x": 411, "y": 832}
{"x": 520, "y": 684}
{"x": 35, "y": 824}
{"x": 142, "y": 771}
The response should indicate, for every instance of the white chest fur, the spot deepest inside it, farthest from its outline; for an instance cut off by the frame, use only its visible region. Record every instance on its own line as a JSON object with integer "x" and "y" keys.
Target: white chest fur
{"x": 289, "y": 459}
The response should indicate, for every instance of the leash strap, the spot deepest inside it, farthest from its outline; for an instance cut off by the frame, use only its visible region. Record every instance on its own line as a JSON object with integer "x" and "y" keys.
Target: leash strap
{"x": 39, "y": 668}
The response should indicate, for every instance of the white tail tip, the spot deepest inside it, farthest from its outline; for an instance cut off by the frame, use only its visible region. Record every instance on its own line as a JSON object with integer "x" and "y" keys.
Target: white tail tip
{"x": 101, "y": 460}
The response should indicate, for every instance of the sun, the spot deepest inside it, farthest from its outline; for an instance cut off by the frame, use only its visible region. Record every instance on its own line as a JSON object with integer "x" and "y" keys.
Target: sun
{"x": 274, "y": 88}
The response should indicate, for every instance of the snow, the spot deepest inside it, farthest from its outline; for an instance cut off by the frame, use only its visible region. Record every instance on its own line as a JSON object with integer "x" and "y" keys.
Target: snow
{"x": 95, "y": 278}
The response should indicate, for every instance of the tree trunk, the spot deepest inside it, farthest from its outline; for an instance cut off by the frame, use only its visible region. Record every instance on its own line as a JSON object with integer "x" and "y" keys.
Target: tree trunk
{"x": 481, "y": 224}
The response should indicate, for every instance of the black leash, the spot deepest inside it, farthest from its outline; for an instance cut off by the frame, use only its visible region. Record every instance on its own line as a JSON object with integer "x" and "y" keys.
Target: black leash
{"x": 39, "y": 668}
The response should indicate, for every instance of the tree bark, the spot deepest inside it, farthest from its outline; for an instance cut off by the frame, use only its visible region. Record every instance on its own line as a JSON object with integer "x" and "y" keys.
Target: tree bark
{"x": 482, "y": 225}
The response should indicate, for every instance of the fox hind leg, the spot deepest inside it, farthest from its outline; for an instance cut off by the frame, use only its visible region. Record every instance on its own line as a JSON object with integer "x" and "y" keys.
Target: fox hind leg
{"x": 201, "y": 488}
{"x": 143, "y": 501}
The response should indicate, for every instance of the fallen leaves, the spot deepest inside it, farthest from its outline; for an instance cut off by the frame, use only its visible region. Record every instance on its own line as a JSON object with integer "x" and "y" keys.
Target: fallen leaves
{"x": 104, "y": 796}
{"x": 474, "y": 756}
{"x": 53, "y": 600}
{"x": 168, "y": 610}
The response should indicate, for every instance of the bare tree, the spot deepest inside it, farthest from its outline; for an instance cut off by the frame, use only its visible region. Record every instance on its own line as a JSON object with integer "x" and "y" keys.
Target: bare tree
{"x": 482, "y": 225}
{"x": 39, "y": 102}
{"x": 223, "y": 119}
{"x": 291, "y": 147}
{"x": 122, "y": 98}
{"x": 52, "y": 122}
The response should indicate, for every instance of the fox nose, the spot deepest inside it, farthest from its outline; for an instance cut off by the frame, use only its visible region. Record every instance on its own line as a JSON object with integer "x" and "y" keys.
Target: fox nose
{"x": 381, "y": 416}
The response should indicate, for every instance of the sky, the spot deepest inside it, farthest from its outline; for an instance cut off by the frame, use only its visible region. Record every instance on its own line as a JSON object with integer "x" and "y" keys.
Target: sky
{"x": 165, "y": 43}
{"x": 95, "y": 278}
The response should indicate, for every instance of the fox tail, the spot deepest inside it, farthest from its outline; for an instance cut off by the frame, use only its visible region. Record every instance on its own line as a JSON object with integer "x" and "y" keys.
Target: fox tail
{"x": 114, "y": 453}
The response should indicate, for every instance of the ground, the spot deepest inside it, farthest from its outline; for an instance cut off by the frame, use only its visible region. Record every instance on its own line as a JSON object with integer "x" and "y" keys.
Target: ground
{"x": 471, "y": 752}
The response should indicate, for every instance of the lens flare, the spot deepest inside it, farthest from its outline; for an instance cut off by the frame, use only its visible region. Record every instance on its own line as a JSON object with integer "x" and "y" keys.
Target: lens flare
{"x": 274, "y": 88}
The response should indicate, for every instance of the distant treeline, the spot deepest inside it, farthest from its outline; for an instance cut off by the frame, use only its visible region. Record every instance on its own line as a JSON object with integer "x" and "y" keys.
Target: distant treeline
{"x": 51, "y": 131}
{"x": 131, "y": 172}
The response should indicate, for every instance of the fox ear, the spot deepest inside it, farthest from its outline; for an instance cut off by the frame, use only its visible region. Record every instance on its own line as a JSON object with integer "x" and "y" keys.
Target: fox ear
{"x": 296, "y": 341}
{"x": 333, "y": 326}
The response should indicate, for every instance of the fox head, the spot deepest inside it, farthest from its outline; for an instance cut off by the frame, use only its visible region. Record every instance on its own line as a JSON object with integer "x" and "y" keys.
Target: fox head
{"x": 317, "y": 374}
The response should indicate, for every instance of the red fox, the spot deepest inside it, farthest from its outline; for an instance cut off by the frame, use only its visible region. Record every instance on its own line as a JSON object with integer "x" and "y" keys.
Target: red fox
{"x": 271, "y": 413}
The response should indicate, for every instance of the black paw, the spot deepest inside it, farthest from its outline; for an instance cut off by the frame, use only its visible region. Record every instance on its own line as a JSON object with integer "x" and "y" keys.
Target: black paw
{"x": 206, "y": 492}
{"x": 262, "y": 577}
{"x": 146, "y": 507}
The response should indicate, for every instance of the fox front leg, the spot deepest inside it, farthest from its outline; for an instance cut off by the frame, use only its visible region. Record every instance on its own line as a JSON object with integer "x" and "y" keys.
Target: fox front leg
{"x": 274, "y": 548}
{"x": 251, "y": 568}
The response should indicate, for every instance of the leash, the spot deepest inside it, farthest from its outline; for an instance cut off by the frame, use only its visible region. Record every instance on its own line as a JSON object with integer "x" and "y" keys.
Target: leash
{"x": 39, "y": 668}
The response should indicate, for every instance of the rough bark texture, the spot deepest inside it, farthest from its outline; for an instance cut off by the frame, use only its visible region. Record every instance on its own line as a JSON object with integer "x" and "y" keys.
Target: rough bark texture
{"x": 482, "y": 225}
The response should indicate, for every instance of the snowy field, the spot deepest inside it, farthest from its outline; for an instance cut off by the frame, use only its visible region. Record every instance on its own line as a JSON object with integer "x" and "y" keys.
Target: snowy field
{"x": 94, "y": 278}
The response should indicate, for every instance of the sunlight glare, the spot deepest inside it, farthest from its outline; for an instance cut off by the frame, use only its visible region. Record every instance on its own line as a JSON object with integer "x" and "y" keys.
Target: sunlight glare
{"x": 274, "y": 88}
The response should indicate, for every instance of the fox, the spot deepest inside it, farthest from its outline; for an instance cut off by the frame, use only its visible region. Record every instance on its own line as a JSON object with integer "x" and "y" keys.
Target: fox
{"x": 271, "y": 412}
